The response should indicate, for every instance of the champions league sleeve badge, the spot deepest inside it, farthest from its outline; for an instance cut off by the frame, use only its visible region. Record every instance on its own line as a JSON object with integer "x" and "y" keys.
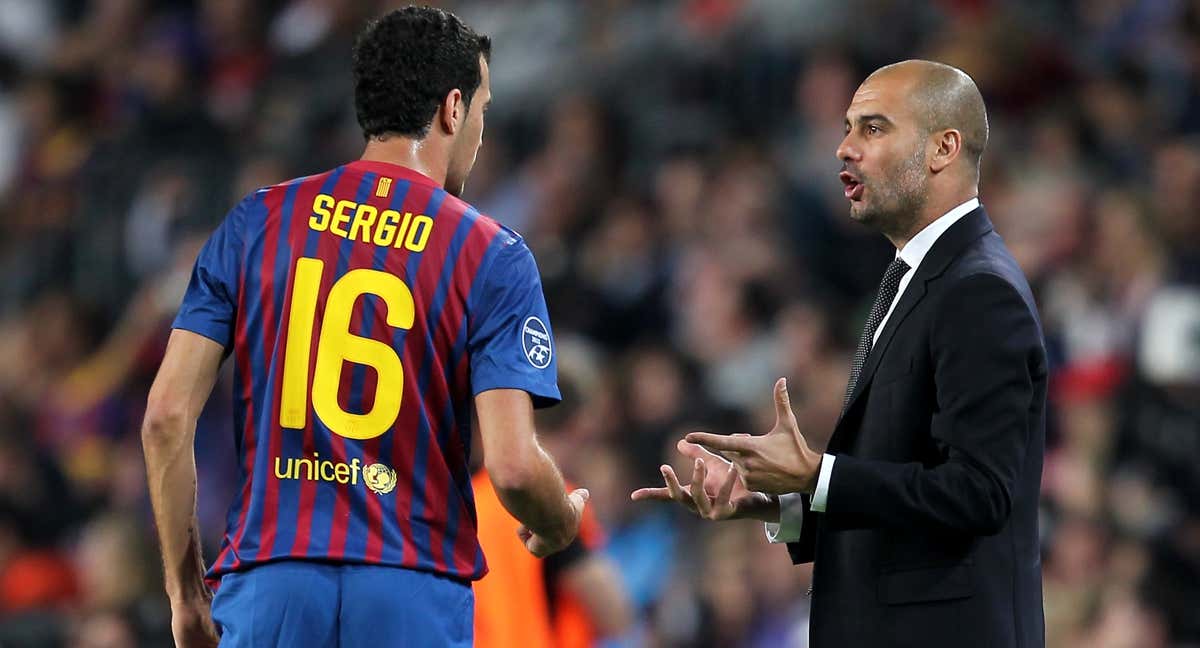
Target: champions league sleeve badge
{"x": 535, "y": 341}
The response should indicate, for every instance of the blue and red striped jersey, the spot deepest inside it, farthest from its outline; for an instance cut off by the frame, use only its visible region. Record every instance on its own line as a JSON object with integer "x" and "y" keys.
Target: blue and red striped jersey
{"x": 364, "y": 307}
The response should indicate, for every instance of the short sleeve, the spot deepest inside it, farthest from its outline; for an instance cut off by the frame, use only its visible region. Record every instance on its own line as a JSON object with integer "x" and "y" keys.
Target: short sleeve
{"x": 510, "y": 342}
{"x": 210, "y": 303}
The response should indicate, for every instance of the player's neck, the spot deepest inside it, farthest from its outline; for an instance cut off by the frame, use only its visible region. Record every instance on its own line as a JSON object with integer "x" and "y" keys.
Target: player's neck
{"x": 418, "y": 155}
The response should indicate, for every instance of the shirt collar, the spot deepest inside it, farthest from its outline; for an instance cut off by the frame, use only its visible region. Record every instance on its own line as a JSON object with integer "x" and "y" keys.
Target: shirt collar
{"x": 918, "y": 246}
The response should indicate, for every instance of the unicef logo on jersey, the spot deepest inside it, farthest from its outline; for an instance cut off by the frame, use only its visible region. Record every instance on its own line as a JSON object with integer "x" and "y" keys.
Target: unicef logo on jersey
{"x": 535, "y": 340}
{"x": 379, "y": 478}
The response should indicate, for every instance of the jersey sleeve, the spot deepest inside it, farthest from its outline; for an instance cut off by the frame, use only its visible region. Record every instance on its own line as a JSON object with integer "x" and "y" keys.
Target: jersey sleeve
{"x": 210, "y": 303}
{"x": 510, "y": 342}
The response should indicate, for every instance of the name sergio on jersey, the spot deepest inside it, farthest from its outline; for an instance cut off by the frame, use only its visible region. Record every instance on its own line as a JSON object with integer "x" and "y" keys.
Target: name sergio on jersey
{"x": 365, "y": 223}
{"x": 379, "y": 478}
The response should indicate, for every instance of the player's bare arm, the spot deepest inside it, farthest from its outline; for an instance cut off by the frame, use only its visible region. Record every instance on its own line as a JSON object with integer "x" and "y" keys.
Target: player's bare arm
{"x": 526, "y": 479}
{"x": 183, "y": 384}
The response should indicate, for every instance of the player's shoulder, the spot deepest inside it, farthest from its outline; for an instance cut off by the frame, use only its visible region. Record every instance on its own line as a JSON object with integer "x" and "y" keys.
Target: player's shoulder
{"x": 508, "y": 245}
{"x": 503, "y": 254}
{"x": 505, "y": 236}
{"x": 489, "y": 229}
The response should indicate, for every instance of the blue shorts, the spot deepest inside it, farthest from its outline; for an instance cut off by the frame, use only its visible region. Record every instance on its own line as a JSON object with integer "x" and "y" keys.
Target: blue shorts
{"x": 296, "y": 604}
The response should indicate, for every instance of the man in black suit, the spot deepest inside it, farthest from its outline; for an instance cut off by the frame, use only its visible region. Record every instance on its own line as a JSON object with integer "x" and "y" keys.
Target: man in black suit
{"x": 921, "y": 515}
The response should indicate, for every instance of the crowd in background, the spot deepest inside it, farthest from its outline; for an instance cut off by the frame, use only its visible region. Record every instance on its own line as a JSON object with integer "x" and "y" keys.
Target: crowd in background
{"x": 671, "y": 164}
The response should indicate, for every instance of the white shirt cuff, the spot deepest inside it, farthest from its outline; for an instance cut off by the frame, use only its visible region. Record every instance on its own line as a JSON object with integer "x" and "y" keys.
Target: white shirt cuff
{"x": 791, "y": 519}
{"x": 821, "y": 494}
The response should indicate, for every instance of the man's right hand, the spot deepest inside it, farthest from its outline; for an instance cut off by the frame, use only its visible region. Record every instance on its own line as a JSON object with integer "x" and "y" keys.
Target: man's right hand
{"x": 723, "y": 495}
{"x": 541, "y": 546}
{"x": 192, "y": 625}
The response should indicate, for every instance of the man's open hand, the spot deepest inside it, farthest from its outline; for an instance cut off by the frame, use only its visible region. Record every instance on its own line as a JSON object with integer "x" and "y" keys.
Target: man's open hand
{"x": 723, "y": 495}
{"x": 775, "y": 463}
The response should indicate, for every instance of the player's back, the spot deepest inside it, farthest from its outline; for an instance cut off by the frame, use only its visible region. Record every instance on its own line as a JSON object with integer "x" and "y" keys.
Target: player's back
{"x": 371, "y": 306}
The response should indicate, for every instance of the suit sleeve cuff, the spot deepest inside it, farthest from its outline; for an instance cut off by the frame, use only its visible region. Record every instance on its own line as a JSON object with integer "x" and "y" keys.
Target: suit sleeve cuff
{"x": 821, "y": 494}
{"x": 791, "y": 519}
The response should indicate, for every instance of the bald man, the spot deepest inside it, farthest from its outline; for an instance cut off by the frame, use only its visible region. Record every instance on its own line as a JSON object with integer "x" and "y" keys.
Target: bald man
{"x": 921, "y": 514}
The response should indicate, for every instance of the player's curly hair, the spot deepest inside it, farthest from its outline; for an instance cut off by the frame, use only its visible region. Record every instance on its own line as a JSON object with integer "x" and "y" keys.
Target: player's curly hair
{"x": 406, "y": 62}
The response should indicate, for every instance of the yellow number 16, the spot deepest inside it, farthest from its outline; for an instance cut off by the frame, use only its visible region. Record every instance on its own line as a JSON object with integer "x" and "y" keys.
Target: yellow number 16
{"x": 338, "y": 344}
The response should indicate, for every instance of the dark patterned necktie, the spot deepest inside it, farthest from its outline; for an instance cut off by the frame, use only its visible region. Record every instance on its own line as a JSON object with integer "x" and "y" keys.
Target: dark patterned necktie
{"x": 883, "y": 301}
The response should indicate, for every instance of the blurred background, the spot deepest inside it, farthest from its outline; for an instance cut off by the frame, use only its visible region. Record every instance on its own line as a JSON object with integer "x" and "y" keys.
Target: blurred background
{"x": 672, "y": 165}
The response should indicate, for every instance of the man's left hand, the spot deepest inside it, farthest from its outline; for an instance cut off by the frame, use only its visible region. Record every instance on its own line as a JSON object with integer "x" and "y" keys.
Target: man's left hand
{"x": 192, "y": 625}
{"x": 777, "y": 462}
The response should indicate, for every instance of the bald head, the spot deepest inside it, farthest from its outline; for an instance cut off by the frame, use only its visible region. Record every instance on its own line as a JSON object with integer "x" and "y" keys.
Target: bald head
{"x": 915, "y": 134}
{"x": 943, "y": 98}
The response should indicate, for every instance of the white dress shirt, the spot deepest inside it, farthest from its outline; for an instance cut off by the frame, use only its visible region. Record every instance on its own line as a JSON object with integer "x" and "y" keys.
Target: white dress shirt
{"x": 791, "y": 506}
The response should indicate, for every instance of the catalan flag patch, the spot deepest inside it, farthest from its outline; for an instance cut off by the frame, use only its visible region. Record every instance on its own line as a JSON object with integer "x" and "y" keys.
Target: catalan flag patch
{"x": 383, "y": 188}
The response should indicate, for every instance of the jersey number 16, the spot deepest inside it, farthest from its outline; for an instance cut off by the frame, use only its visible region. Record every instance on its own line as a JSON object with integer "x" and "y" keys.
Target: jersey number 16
{"x": 338, "y": 344}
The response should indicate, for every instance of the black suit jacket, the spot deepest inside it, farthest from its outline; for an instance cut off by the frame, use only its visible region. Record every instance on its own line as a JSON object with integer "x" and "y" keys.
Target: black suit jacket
{"x": 930, "y": 533}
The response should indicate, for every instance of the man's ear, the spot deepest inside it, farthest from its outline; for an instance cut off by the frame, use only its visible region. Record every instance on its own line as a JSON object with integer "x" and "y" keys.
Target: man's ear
{"x": 453, "y": 112}
{"x": 947, "y": 146}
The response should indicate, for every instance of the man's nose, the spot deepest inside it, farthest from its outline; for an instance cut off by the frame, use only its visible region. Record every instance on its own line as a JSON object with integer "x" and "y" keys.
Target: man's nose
{"x": 847, "y": 150}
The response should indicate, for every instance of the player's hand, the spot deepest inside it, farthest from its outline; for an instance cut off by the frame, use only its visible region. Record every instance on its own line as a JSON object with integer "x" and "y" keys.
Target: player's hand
{"x": 541, "y": 546}
{"x": 723, "y": 495}
{"x": 192, "y": 625}
{"x": 777, "y": 462}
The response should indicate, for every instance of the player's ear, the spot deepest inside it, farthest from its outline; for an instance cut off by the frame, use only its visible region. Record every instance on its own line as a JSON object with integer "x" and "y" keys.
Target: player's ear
{"x": 453, "y": 112}
{"x": 947, "y": 146}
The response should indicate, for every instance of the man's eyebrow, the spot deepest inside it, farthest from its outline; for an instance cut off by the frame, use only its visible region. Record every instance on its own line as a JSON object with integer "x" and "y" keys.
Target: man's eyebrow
{"x": 873, "y": 117}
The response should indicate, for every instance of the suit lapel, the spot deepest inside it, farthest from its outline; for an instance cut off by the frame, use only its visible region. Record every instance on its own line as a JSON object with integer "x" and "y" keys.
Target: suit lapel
{"x": 948, "y": 246}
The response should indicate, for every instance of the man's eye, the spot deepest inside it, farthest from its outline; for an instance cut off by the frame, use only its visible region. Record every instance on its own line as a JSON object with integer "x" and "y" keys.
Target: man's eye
{"x": 872, "y": 129}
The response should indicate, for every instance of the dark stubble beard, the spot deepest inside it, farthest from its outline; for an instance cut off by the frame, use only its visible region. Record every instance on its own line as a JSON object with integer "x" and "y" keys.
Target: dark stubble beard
{"x": 456, "y": 184}
{"x": 897, "y": 201}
